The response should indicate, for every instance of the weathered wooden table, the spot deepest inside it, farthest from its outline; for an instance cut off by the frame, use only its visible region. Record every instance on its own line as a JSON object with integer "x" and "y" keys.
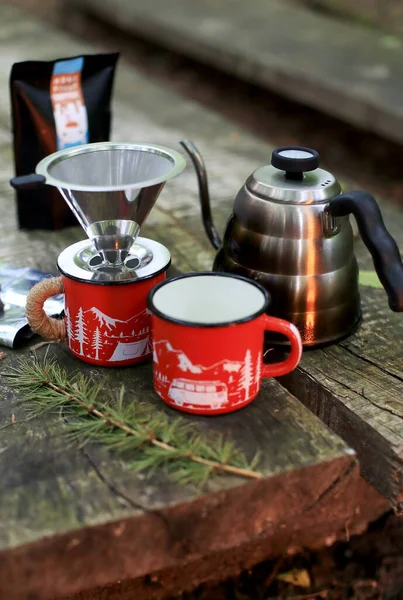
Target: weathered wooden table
{"x": 76, "y": 519}
{"x": 294, "y": 51}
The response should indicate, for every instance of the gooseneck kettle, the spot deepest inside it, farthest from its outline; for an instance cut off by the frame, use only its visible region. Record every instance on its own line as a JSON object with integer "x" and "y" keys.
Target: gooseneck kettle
{"x": 290, "y": 231}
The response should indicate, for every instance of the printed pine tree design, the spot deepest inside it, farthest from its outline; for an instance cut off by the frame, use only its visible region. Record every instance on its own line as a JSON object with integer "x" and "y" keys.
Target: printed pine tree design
{"x": 69, "y": 327}
{"x": 246, "y": 378}
{"x": 97, "y": 342}
{"x": 258, "y": 369}
{"x": 81, "y": 331}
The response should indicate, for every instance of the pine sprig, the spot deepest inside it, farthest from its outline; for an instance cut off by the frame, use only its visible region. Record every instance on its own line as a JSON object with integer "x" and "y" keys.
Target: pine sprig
{"x": 147, "y": 438}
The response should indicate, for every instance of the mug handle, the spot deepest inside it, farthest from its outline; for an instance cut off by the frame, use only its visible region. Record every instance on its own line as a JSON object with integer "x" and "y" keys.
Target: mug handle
{"x": 38, "y": 320}
{"x": 291, "y": 332}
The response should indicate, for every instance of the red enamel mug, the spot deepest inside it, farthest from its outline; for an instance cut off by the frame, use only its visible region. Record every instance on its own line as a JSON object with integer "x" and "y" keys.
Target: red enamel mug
{"x": 208, "y": 339}
{"x": 107, "y": 322}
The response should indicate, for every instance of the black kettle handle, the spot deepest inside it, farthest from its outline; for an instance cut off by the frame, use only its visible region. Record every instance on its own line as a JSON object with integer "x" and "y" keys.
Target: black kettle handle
{"x": 383, "y": 248}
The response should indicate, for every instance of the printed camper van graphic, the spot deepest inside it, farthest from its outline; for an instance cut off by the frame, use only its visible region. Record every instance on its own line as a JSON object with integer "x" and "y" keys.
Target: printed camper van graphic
{"x": 202, "y": 387}
{"x": 198, "y": 393}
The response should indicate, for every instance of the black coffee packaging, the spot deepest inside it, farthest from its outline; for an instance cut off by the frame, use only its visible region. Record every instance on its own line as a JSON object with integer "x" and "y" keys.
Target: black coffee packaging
{"x": 55, "y": 105}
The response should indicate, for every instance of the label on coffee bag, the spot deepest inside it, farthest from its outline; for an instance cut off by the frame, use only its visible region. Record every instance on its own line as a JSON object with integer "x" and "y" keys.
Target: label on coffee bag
{"x": 68, "y": 105}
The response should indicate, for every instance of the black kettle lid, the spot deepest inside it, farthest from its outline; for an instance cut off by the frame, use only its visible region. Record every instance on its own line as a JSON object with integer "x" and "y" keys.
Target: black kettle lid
{"x": 295, "y": 161}
{"x": 294, "y": 177}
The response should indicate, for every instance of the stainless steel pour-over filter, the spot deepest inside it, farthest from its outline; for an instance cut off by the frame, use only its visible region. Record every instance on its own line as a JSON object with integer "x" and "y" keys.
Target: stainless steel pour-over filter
{"x": 111, "y": 188}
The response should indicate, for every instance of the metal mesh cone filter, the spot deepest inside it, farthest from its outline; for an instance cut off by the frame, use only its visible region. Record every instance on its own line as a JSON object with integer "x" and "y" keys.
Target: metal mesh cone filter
{"x": 111, "y": 188}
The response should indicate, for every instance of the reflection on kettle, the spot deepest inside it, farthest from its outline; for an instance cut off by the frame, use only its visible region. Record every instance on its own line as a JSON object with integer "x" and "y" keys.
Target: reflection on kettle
{"x": 290, "y": 231}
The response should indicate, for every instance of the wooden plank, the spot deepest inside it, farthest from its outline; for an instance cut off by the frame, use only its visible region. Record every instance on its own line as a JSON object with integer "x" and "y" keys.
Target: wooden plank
{"x": 348, "y": 71}
{"x": 373, "y": 13}
{"x": 73, "y": 519}
{"x": 231, "y": 155}
{"x": 76, "y": 518}
{"x": 356, "y": 388}
{"x": 237, "y": 560}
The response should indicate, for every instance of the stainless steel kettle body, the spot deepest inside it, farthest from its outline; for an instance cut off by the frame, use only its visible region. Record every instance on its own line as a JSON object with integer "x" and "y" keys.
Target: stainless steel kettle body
{"x": 290, "y": 231}
{"x": 312, "y": 279}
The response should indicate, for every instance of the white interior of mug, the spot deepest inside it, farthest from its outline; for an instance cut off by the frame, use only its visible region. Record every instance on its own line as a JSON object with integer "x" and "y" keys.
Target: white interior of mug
{"x": 209, "y": 299}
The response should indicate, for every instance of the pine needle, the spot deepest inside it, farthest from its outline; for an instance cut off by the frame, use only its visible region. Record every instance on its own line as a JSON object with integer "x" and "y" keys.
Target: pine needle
{"x": 147, "y": 438}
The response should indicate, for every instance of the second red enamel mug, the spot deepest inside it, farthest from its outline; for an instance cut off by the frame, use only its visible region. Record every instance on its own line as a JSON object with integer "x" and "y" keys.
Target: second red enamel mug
{"x": 208, "y": 339}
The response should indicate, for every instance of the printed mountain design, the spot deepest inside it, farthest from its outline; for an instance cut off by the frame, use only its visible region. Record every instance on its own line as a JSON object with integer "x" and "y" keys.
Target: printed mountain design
{"x": 110, "y": 323}
{"x": 200, "y": 386}
{"x": 97, "y": 336}
{"x": 103, "y": 319}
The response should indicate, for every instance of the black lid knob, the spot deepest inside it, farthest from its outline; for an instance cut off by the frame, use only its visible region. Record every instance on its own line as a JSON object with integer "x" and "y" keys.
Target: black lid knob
{"x": 295, "y": 160}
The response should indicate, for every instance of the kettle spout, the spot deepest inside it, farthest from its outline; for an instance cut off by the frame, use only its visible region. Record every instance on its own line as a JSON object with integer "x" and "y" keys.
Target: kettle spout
{"x": 201, "y": 173}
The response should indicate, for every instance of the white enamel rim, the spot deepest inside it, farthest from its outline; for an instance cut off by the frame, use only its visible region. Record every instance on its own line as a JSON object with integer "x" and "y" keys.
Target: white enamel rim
{"x": 243, "y": 317}
{"x": 42, "y": 168}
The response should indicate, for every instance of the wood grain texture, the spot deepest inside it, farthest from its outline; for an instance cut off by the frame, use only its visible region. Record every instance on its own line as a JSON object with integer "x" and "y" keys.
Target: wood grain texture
{"x": 356, "y": 388}
{"x": 73, "y": 519}
{"x": 218, "y": 567}
{"x": 348, "y": 71}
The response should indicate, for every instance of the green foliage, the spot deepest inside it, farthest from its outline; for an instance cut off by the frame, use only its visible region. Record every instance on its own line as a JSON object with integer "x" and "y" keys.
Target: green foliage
{"x": 146, "y": 438}
{"x": 369, "y": 279}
